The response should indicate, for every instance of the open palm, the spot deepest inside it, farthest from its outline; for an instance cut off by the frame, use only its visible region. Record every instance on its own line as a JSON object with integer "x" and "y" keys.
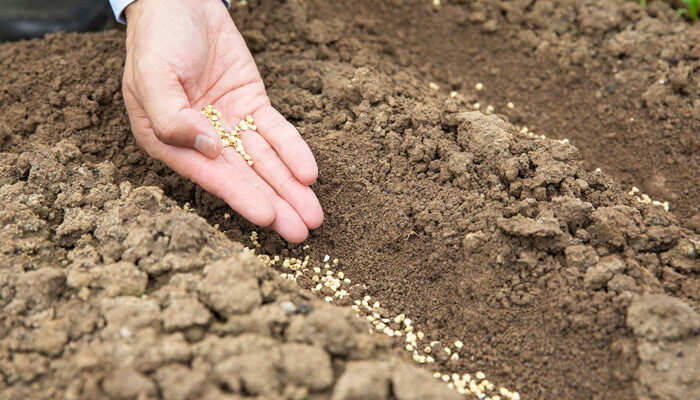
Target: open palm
{"x": 184, "y": 55}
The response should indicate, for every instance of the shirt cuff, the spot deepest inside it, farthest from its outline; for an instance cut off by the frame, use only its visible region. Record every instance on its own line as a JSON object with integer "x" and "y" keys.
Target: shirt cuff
{"x": 118, "y": 7}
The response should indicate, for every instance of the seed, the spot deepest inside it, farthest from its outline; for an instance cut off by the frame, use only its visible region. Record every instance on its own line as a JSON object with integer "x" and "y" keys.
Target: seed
{"x": 453, "y": 94}
{"x": 510, "y": 105}
{"x": 479, "y": 86}
{"x": 437, "y": 375}
{"x": 433, "y": 86}
{"x": 480, "y": 375}
{"x": 459, "y": 344}
{"x": 229, "y": 139}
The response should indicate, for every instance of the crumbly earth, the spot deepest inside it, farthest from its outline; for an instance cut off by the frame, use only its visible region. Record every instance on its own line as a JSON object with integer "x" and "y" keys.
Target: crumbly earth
{"x": 618, "y": 80}
{"x": 558, "y": 283}
{"x": 112, "y": 291}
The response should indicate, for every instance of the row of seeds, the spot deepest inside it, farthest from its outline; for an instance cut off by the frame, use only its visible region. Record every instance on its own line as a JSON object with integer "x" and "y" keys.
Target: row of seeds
{"x": 334, "y": 286}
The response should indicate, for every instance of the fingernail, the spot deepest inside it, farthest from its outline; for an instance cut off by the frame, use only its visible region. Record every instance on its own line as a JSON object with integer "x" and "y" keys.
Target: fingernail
{"x": 205, "y": 145}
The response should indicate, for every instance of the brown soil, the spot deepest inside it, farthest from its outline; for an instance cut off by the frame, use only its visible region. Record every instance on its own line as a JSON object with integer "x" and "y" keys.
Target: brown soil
{"x": 586, "y": 71}
{"x": 558, "y": 283}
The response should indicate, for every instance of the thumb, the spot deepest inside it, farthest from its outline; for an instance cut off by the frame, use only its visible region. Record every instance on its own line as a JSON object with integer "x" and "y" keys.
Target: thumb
{"x": 172, "y": 119}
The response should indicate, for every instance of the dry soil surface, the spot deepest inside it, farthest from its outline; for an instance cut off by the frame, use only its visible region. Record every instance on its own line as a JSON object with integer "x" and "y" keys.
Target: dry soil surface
{"x": 558, "y": 282}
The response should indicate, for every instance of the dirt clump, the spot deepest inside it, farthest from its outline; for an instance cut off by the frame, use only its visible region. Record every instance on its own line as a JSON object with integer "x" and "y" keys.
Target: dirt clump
{"x": 548, "y": 273}
{"x": 111, "y": 290}
{"x": 611, "y": 76}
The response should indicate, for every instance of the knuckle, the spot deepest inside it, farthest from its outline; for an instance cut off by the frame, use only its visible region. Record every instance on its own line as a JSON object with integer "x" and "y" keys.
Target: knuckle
{"x": 166, "y": 133}
{"x": 268, "y": 154}
{"x": 287, "y": 183}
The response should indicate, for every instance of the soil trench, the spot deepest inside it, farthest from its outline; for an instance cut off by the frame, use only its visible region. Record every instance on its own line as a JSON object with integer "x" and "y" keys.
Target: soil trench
{"x": 557, "y": 282}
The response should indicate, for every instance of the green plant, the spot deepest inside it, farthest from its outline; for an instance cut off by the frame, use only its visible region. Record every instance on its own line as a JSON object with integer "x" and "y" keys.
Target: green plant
{"x": 691, "y": 9}
{"x": 642, "y": 3}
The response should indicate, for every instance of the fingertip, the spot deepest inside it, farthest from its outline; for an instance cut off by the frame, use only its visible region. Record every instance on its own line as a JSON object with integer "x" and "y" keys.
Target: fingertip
{"x": 208, "y": 146}
{"x": 307, "y": 174}
{"x": 255, "y": 208}
{"x": 309, "y": 208}
{"x": 315, "y": 220}
{"x": 264, "y": 215}
{"x": 295, "y": 236}
{"x": 205, "y": 127}
{"x": 288, "y": 223}
{"x": 304, "y": 168}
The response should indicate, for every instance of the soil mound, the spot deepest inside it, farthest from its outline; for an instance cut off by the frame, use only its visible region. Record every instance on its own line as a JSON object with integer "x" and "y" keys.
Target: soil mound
{"x": 112, "y": 291}
{"x": 556, "y": 281}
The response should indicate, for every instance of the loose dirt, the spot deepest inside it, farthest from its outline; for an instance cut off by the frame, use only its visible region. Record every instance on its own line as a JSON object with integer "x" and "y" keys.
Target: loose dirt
{"x": 557, "y": 282}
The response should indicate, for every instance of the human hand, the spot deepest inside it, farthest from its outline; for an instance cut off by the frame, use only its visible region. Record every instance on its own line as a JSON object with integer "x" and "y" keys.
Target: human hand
{"x": 184, "y": 55}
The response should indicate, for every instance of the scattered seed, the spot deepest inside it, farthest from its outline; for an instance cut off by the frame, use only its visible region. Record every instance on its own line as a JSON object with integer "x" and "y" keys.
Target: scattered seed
{"x": 371, "y": 311}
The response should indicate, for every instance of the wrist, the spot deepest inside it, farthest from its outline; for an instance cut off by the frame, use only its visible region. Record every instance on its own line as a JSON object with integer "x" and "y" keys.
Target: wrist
{"x": 133, "y": 10}
{"x": 137, "y": 7}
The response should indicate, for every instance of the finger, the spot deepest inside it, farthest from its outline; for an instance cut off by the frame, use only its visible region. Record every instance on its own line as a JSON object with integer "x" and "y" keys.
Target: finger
{"x": 168, "y": 110}
{"x": 287, "y": 142}
{"x": 268, "y": 165}
{"x": 287, "y": 221}
{"x": 216, "y": 176}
